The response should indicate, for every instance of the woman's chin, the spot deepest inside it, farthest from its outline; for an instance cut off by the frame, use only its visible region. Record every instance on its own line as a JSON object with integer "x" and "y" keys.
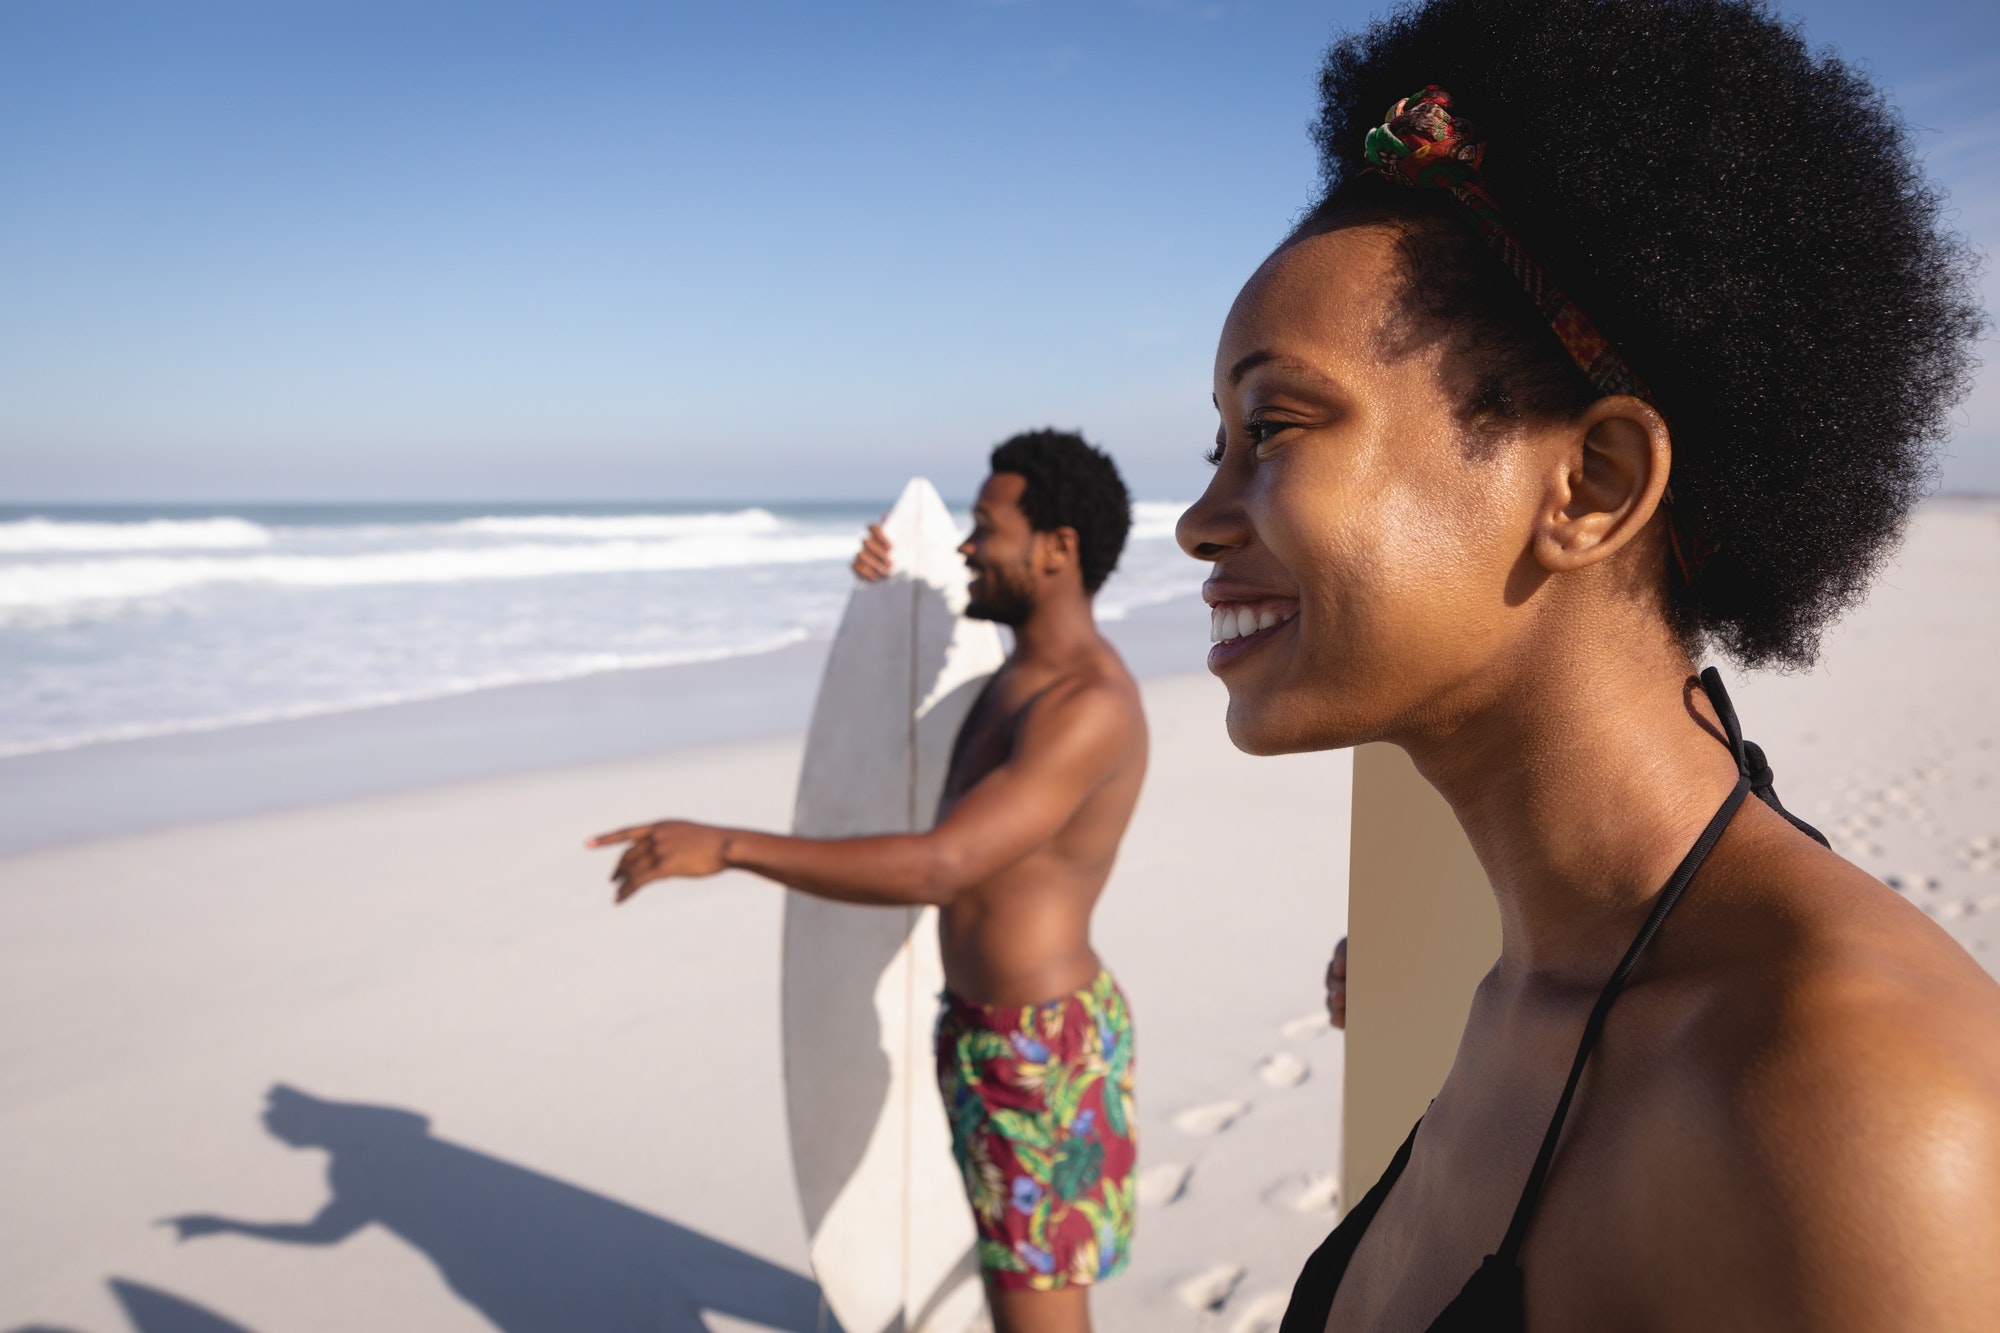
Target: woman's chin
{"x": 1264, "y": 725}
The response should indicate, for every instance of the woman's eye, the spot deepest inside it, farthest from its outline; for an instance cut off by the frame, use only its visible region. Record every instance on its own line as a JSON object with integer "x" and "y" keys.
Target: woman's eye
{"x": 1260, "y": 431}
{"x": 1257, "y": 432}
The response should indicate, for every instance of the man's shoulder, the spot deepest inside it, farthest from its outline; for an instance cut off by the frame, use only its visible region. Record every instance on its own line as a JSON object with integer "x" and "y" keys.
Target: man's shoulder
{"x": 1096, "y": 697}
{"x": 1101, "y": 682}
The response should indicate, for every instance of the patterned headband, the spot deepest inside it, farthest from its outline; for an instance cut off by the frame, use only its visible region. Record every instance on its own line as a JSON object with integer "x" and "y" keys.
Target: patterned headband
{"x": 1422, "y": 145}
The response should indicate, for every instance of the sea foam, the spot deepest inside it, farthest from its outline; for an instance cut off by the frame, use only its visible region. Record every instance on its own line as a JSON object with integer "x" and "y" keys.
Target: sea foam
{"x": 32, "y": 535}
{"x": 165, "y": 623}
{"x": 50, "y": 585}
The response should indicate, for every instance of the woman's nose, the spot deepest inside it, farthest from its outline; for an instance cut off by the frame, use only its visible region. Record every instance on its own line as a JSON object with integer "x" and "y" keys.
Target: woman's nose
{"x": 1213, "y": 525}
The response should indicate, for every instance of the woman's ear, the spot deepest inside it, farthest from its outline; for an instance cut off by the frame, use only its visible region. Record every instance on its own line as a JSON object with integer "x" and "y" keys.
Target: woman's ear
{"x": 1605, "y": 483}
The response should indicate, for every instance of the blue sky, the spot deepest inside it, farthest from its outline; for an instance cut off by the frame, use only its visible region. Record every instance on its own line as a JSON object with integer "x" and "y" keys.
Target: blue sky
{"x": 436, "y": 249}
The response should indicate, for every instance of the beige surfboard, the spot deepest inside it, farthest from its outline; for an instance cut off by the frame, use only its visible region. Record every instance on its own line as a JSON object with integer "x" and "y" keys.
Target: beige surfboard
{"x": 1422, "y": 929}
{"x": 892, "y": 1238}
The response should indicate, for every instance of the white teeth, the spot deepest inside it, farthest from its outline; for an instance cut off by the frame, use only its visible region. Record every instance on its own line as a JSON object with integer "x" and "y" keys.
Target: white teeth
{"x": 1227, "y": 623}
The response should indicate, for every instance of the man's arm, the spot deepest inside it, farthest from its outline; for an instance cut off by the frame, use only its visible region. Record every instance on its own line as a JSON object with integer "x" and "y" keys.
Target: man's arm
{"x": 1070, "y": 743}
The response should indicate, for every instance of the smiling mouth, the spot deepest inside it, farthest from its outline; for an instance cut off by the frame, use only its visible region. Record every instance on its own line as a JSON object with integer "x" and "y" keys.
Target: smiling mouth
{"x": 1238, "y": 628}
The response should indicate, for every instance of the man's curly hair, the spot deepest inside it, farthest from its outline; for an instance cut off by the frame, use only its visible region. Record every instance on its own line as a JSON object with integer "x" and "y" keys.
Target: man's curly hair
{"x": 1742, "y": 216}
{"x": 1071, "y": 485}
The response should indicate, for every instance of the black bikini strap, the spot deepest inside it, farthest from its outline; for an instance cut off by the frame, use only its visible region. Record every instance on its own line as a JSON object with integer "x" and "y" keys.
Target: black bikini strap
{"x": 1753, "y": 776}
{"x": 1749, "y": 755}
{"x": 1517, "y": 1230}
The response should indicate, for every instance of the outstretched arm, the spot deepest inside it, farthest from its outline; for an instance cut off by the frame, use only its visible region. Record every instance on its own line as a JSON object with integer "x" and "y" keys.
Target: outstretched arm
{"x": 333, "y": 1224}
{"x": 1070, "y": 743}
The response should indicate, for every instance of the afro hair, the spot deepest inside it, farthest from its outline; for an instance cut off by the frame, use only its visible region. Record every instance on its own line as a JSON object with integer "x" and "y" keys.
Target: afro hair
{"x": 1742, "y": 216}
{"x": 1071, "y": 485}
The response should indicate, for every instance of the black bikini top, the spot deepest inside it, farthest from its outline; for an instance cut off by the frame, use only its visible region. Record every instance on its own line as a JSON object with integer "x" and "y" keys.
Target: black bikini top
{"x": 1492, "y": 1300}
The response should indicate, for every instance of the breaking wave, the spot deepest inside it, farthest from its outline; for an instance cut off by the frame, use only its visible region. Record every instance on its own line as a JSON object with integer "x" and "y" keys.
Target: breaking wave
{"x": 27, "y": 536}
{"x": 624, "y": 525}
{"x": 51, "y": 585}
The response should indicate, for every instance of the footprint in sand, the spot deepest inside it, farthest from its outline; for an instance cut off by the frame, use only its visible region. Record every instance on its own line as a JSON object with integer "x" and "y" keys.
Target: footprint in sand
{"x": 1308, "y": 1025}
{"x": 1208, "y": 1289}
{"x": 1313, "y": 1192}
{"x": 1911, "y": 881}
{"x": 1262, "y": 1313}
{"x": 1283, "y": 1070}
{"x": 1210, "y": 1119}
{"x": 1980, "y": 854}
{"x": 1160, "y": 1185}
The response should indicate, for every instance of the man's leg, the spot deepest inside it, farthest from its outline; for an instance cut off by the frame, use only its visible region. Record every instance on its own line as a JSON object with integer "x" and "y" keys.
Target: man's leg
{"x": 1015, "y": 1310}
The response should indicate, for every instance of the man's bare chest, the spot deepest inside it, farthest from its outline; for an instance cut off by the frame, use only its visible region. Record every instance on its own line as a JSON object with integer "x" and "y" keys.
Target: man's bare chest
{"x": 987, "y": 738}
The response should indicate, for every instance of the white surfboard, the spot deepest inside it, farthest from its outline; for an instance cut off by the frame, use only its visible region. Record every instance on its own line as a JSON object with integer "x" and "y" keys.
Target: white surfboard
{"x": 892, "y": 1239}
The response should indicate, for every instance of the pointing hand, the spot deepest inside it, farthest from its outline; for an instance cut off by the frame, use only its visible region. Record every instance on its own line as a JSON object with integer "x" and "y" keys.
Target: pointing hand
{"x": 664, "y": 850}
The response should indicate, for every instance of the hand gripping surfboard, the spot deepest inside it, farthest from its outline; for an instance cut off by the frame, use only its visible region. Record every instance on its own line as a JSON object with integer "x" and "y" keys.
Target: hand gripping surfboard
{"x": 891, "y": 1234}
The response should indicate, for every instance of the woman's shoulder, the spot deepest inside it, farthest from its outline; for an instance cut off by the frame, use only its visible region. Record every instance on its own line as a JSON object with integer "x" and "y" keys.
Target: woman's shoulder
{"x": 1814, "y": 964}
{"x": 1846, "y": 1063}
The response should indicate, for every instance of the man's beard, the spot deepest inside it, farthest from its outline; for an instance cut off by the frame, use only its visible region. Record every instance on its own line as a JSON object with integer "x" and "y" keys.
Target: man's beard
{"x": 1000, "y": 601}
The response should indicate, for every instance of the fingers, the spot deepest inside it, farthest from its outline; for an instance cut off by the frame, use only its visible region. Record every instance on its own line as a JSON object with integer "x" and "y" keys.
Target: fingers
{"x": 663, "y": 850}
{"x": 641, "y": 864}
{"x": 617, "y": 835}
{"x": 630, "y": 879}
{"x": 1336, "y": 985}
{"x": 872, "y": 561}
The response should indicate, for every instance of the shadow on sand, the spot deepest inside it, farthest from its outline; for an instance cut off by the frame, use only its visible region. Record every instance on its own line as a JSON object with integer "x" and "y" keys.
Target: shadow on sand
{"x": 154, "y": 1311}
{"x": 531, "y": 1253}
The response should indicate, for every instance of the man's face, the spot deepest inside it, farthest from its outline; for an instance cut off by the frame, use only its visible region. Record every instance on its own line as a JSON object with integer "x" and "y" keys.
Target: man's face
{"x": 1001, "y": 553}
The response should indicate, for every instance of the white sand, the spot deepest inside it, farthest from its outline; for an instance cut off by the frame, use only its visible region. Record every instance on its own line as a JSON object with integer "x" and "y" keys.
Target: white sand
{"x": 603, "y": 1088}
{"x": 1892, "y": 744}
{"x": 453, "y": 952}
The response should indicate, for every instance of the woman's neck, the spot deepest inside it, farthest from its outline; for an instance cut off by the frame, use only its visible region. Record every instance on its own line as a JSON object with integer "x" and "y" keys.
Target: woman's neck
{"x": 1581, "y": 783}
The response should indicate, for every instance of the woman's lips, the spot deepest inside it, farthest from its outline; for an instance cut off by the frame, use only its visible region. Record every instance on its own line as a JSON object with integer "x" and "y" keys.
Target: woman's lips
{"x": 1240, "y": 628}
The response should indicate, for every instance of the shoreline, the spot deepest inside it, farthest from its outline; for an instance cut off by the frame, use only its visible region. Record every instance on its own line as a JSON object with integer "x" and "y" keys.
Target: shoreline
{"x": 55, "y": 798}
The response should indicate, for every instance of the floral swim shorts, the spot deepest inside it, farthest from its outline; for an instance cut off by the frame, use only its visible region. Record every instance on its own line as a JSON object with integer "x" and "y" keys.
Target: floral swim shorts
{"x": 1040, "y": 1102}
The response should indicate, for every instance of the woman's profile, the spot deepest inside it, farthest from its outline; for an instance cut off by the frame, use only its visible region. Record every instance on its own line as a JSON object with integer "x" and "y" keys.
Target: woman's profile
{"x": 1620, "y": 338}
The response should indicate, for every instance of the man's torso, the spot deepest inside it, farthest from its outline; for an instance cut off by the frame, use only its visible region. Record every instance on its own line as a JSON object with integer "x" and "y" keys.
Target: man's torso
{"x": 1023, "y": 934}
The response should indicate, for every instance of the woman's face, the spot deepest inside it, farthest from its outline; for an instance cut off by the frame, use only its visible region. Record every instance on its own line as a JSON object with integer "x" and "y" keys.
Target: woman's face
{"x": 1368, "y": 569}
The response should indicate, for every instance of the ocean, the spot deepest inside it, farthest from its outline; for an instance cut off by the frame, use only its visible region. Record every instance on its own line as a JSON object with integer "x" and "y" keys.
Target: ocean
{"x": 118, "y": 622}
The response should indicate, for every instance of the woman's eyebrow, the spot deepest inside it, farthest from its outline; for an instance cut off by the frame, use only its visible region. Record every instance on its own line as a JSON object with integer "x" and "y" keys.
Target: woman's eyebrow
{"x": 1264, "y": 356}
{"x": 1248, "y": 363}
